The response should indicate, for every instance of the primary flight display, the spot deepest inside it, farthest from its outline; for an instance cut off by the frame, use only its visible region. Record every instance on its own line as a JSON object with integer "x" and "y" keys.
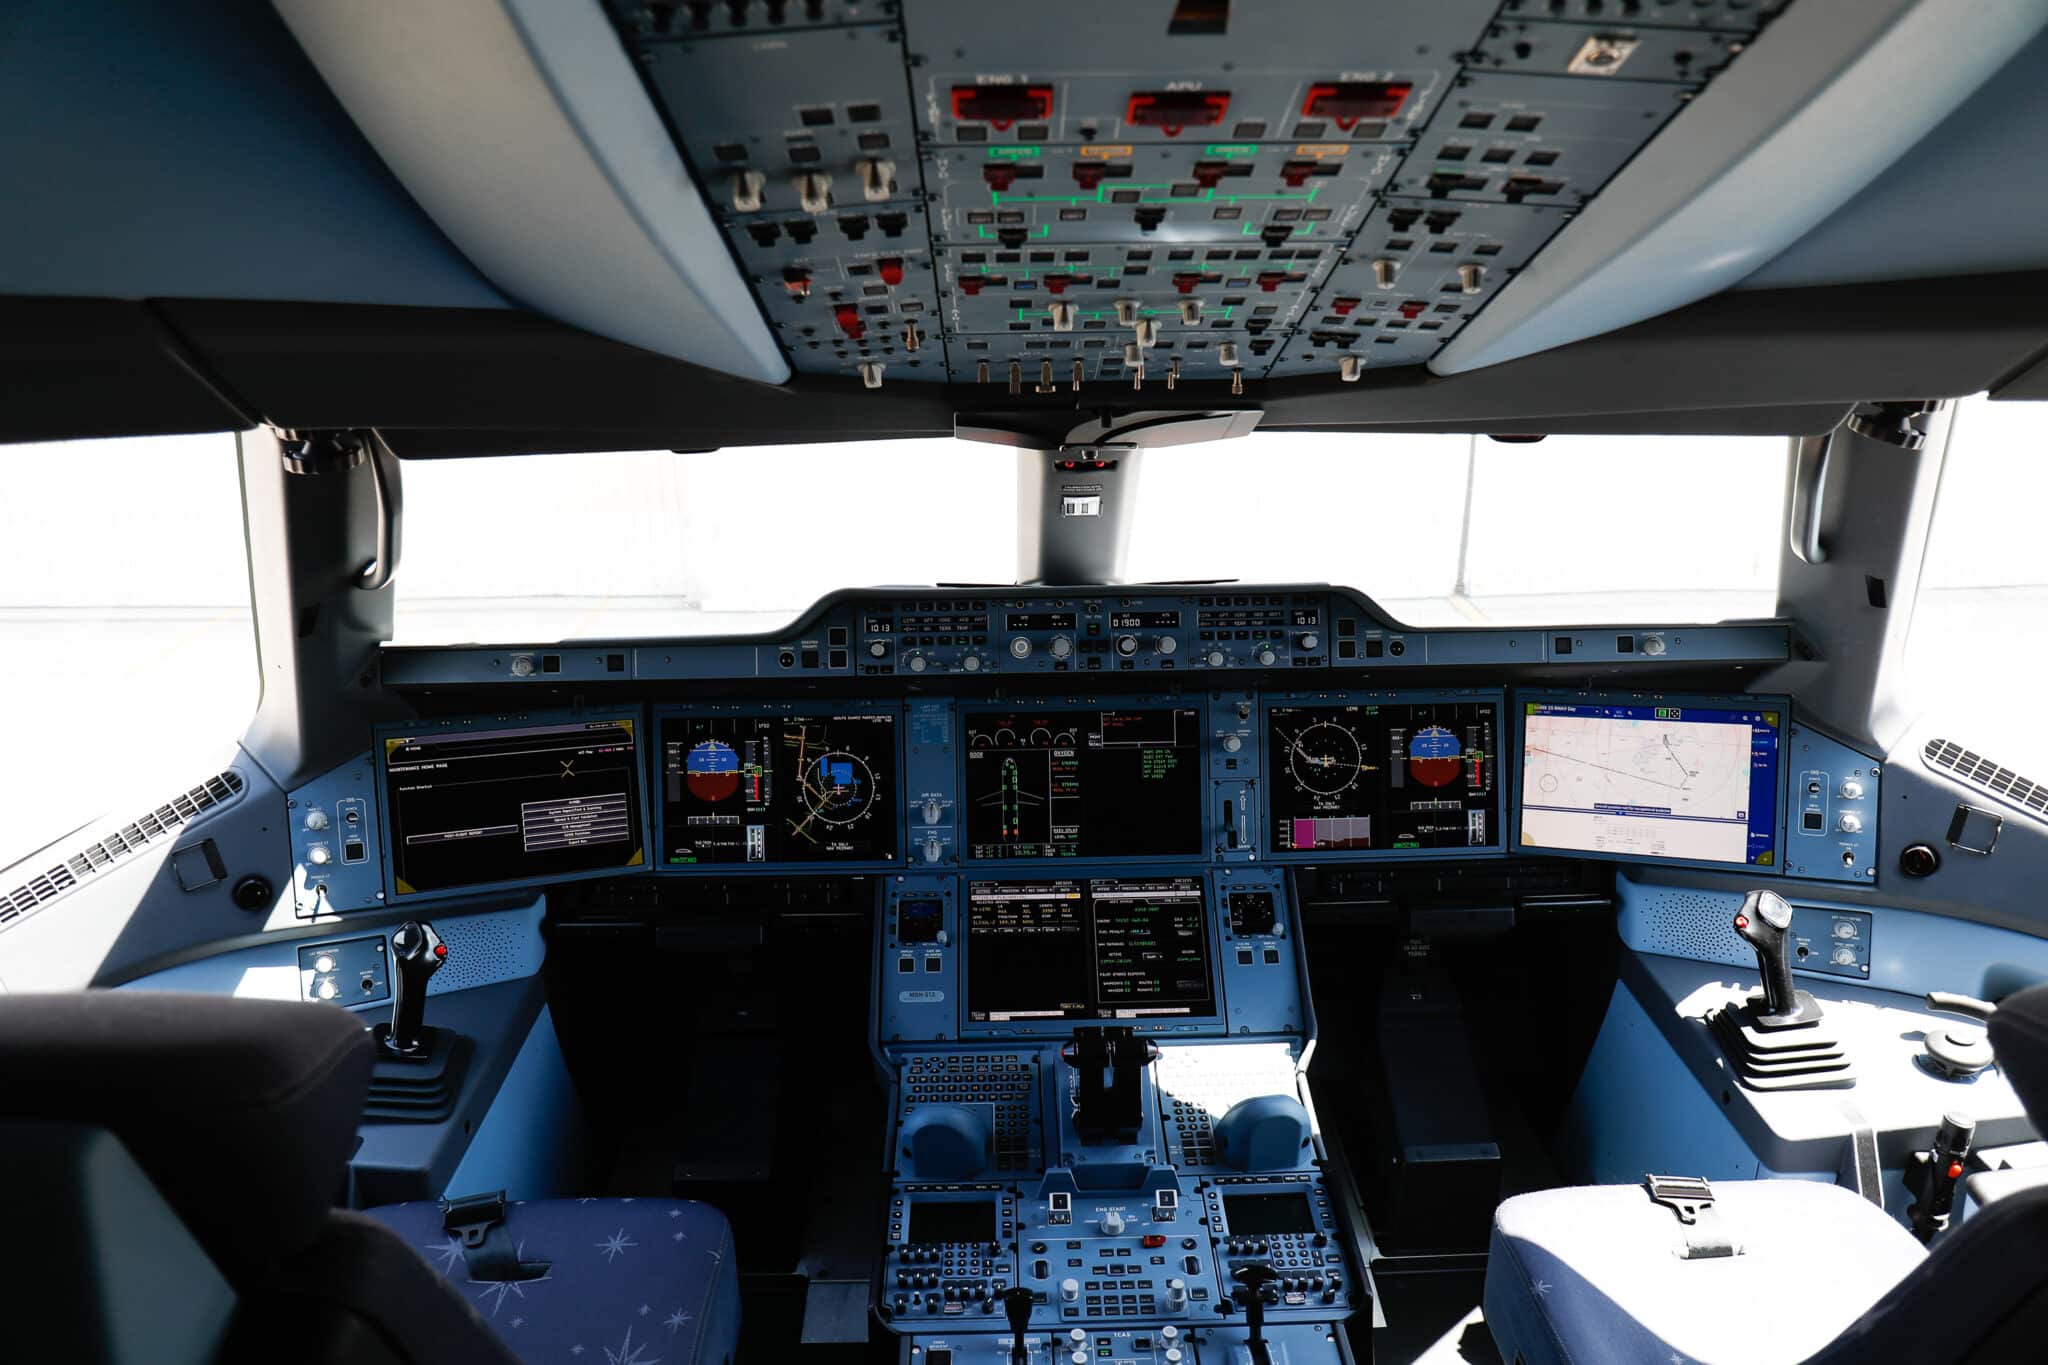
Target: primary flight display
{"x": 1364, "y": 775}
{"x": 778, "y": 785}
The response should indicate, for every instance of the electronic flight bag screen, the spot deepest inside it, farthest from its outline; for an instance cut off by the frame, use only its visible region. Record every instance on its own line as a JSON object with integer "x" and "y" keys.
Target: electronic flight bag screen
{"x": 1690, "y": 780}
{"x": 1079, "y": 948}
{"x": 472, "y": 806}
{"x": 1074, "y": 783}
{"x": 778, "y": 785}
{"x": 1349, "y": 776}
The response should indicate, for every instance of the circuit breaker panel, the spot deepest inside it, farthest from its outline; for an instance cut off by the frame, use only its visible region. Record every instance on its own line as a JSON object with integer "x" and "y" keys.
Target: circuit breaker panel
{"x": 1155, "y": 190}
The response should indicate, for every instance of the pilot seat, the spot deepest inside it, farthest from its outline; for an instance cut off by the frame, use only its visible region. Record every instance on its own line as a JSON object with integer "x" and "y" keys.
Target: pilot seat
{"x": 178, "y": 1157}
{"x": 1769, "y": 1271}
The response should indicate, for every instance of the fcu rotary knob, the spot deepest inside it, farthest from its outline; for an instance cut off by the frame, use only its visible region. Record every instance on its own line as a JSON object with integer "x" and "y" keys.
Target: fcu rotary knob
{"x": 1308, "y": 641}
{"x": 1216, "y": 659}
{"x": 1266, "y": 658}
{"x": 1232, "y": 743}
{"x": 1061, "y": 646}
{"x": 1020, "y": 648}
{"x": 1166, "y": 644}
{"x": 1127, "y": 645}
{"x": 878, "y": 649}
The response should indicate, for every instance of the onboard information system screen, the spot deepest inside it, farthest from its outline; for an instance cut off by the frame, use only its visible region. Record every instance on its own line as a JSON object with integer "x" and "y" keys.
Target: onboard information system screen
{"x": 778, "y": 786}
{"x": 1072, "y": 948}
{"x": 1084, "y": 784}
{"x": 1383, "y": 775}
{"x": 1687, "y": 781}
{"x": 468, "y": 807}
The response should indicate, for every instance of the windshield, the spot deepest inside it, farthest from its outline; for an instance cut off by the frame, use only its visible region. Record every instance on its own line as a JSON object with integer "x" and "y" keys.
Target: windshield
{"x": 1442, "y": 530}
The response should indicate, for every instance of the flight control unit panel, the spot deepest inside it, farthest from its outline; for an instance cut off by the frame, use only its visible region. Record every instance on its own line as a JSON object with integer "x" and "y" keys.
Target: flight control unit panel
{"x": 927, "y": 191}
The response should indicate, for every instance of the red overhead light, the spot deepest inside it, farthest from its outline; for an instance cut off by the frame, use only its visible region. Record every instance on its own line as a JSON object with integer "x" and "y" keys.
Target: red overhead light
{"x": 1344, "y": 103}
{"x": 1172, "y": 110}
{"x": 999, "y": 106}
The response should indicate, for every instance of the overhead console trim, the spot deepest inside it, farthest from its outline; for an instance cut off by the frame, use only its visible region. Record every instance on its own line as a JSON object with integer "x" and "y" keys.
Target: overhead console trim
{"x": 523, "y": 130}
{"x": 1824, "y": 100}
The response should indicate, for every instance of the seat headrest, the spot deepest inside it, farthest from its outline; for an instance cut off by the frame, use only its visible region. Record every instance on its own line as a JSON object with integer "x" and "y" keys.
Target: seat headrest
{"x": 243, "y": 1112}
{"x": 2019, "y": 1038}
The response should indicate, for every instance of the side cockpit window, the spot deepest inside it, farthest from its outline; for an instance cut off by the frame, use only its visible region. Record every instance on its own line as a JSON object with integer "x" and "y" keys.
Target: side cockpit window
{"x": 127, "y": 647}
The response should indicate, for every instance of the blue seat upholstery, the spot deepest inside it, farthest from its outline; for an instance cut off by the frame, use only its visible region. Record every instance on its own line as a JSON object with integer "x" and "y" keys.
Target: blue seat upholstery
{"x": 628, "y": 1279}
{"x": 1594, "y": 1275}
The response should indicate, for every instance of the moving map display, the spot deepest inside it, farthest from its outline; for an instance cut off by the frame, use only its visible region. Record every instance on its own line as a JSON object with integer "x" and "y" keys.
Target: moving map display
{"x": 778, "y": 786}
{"x": 1057, "y": 783}
{"x": 1674, "y": 778}
{"x": 1353, "y": 776}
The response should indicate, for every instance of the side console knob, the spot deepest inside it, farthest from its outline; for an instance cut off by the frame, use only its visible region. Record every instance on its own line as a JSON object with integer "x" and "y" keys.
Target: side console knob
{"x": 1851, "y": 822}
{"x": 1852, "y": 790}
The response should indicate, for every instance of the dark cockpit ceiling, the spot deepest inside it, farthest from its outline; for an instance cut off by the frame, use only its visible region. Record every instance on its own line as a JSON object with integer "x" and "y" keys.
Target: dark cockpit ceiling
{"x": 236, "y": 219}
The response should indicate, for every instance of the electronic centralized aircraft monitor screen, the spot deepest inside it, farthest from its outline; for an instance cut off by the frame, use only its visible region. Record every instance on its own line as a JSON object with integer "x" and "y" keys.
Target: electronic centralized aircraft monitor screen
{"x": 1692, "y": 780}
{"x": 475, "y": 805}
{"x": 1070, "y": 948}
{"x": 1098, "y": 783}
{"x": 778, "y": 785}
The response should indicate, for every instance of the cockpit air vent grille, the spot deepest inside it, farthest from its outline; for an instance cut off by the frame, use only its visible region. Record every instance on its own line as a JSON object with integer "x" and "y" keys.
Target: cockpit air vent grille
{"x": 1979, "y": 771}
{"x": 139, "y": 833}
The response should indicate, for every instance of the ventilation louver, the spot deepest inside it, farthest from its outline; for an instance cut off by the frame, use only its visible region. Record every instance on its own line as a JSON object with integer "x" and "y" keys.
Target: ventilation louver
{"x": 95, "y": 858}
{"x": 1979, "y": 771}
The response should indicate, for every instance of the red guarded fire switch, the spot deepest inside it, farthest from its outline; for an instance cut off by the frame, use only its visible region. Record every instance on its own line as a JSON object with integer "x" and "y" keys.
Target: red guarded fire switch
{"x": 849, "y": 320}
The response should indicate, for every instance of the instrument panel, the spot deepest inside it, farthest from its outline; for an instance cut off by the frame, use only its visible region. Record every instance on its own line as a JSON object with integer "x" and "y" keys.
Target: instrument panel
{"x": 1007, "y": 732}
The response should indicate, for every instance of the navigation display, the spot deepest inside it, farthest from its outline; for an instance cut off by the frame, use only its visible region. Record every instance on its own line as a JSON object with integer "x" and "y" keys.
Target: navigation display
{"x": 778, "y": 785}
{"x": 1044, "y": 783}
{"x": 468, "y": 807}
{"x": 1656, "y": 778}
{"x": 1381, "y": 775}
{"x": 1107, "y": 948}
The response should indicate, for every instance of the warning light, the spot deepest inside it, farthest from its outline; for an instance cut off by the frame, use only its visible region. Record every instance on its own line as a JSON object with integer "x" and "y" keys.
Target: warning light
{"x": 440, "y": 950}
{"x": 1742, "y": 921}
